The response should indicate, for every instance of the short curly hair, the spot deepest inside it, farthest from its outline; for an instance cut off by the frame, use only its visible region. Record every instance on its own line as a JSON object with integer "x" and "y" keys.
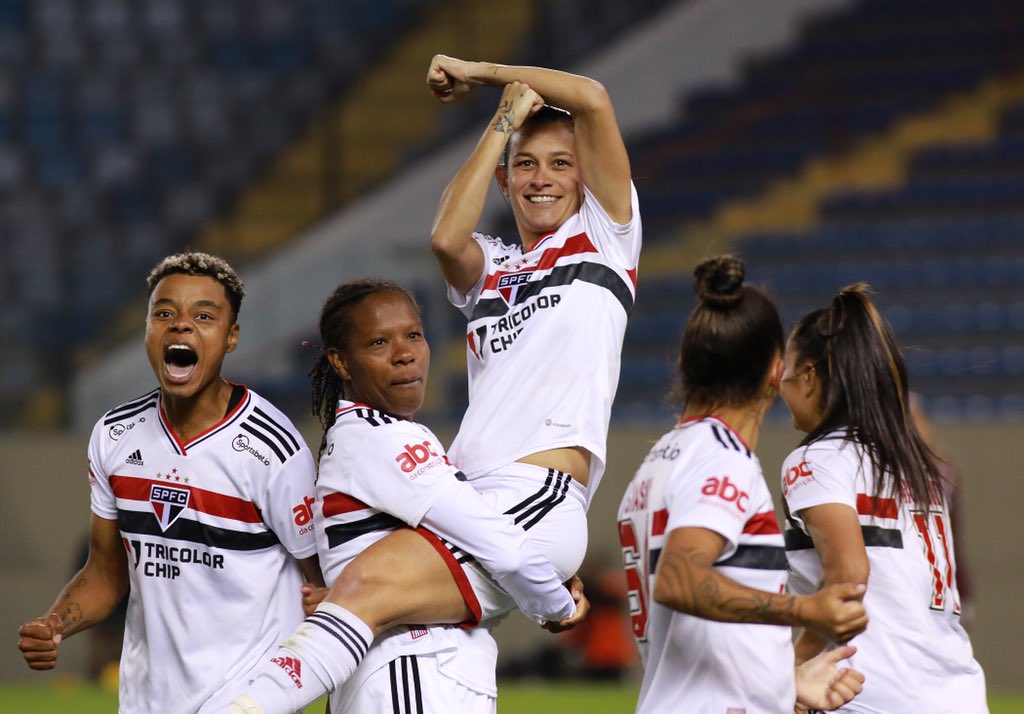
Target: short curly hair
{"x": 194, "y": 262}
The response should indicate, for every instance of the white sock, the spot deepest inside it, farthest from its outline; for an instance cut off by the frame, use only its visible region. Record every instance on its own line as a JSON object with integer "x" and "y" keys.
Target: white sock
{"x": 320, "y": 655}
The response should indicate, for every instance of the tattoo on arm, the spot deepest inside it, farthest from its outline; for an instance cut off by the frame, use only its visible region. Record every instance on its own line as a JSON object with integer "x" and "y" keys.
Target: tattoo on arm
{"x": 506, "y": 119}
{"x": 698, "y": 589}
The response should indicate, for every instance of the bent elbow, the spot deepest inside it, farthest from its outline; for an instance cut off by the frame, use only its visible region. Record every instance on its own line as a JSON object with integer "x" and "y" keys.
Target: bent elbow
{"x": 594, "y": 97}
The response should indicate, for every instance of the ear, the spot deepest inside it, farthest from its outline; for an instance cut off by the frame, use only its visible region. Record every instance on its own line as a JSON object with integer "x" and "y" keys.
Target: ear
{"x": 339, "y": 364}
{"x": 775, "y": 373}
{"x": 810, "y": 384}
{"x": 233, "y": 338}
{"x": 501, "y": 175}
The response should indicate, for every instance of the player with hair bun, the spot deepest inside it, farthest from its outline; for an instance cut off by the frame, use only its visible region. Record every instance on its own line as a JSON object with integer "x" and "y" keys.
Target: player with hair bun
{"x": 703, "y": 551}
{"x": 865, "y": 504}
{"x": 201, "y": 507}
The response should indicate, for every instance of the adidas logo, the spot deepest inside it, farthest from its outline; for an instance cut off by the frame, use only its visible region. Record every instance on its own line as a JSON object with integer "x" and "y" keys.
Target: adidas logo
{"x": 292, "y": 666}
{"x": 135, "y": 459}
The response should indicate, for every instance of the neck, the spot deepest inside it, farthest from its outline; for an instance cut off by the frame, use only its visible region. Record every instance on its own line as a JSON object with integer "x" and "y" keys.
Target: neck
{"x": 190, "y": 416}
{"x": 745, "y": 419}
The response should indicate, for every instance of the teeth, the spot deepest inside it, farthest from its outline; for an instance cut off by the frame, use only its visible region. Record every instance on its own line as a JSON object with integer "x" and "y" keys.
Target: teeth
{"x": 179, "y": 347}
{"x": 542, "y": 199}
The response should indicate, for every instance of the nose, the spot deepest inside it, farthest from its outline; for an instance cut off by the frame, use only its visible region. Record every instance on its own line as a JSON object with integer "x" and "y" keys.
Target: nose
{"x": 182, "y": 323}
{"x": 403, "y": 353}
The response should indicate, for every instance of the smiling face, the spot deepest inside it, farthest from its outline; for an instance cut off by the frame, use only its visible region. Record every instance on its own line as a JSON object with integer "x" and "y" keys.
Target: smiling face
{"x": 542, "y": 180}
{"x": 189, "y": 329}
{"x": 386, "y": 358}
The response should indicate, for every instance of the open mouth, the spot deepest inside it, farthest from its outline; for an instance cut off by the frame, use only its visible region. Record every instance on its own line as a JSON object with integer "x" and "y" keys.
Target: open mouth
{"x": 543, "y": 199}
{"x": 180, "y": 361}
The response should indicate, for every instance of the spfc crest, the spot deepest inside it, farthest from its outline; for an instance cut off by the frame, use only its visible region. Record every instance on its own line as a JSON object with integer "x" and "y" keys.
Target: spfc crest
{"x": 510, "y": 284}
{"x": 168, "y": 502}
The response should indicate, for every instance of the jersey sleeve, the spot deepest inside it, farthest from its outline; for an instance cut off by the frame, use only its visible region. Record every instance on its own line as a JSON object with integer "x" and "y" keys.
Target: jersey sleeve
{"x": 816, "y": 475}
{"x": 399, "y": 468}
{"x": 101, "y": 493}
{"x": 714, "y": 493}
{"x": 620, "y": 242}
{"x": 495, "y": 251}
{"x": 288, "y": 501}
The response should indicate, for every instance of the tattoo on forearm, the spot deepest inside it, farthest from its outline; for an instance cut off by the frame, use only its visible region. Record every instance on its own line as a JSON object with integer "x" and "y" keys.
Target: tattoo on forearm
{"x": 70, "y": 614}
{"x": 698, "y": 589}
{"x": 506, "y": 119}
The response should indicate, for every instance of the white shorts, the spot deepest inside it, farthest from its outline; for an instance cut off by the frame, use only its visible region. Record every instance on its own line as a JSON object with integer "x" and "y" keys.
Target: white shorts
{"x": 551, "y": 508}
{"x": 414, "y": 684}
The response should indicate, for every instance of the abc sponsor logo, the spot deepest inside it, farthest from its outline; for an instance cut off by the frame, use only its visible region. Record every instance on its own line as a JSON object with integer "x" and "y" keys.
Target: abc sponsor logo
{"x": 796, "y": 476}
{"x": 241, "y": 443}
{"x": 304, "y": 515}
{"x": 416, "y": 455}
{"x": 724, "y": 489}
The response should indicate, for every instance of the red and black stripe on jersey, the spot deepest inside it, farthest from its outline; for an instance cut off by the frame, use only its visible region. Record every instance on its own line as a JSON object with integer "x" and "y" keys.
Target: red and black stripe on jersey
{"x": 874, "y": 536}
{"x": 754, "y": 557}
{"x": 219, "y": 505}
{"x": 594, "y": 273}
{"x": 337, "y": 504}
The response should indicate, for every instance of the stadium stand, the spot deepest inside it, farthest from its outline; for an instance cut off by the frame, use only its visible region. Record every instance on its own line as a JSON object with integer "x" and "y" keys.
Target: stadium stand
{"x": 922, "y": 101}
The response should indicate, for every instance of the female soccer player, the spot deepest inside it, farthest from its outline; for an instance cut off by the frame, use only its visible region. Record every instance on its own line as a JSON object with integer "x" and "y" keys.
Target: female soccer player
{"x": 545, "y": 318}
{"x": 380, "y": 471}
{"x": 865, "y": 505}
{"x": 200, "y": 492}
{"x": 703, "y": 552}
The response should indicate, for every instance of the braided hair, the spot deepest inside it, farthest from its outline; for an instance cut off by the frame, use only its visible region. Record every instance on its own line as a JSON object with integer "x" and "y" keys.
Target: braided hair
{"x": 335, "y": 325}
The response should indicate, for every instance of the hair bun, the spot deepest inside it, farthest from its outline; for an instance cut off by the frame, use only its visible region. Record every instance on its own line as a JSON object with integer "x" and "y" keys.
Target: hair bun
{"x": 719, "y": 281}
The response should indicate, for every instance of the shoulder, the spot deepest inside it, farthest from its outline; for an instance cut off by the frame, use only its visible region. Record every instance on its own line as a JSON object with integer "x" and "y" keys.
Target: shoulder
{"x": 264, "y": 422}
{"x": 497, "y": 250}
{"x": 131, "y": 409}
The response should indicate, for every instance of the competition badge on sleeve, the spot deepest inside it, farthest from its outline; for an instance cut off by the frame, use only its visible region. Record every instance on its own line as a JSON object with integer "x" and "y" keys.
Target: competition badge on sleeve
{"x": 168, "y": 502}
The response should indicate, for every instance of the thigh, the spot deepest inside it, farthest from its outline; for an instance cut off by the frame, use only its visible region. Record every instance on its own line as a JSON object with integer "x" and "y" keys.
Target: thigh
{"x": 400, "y": 579}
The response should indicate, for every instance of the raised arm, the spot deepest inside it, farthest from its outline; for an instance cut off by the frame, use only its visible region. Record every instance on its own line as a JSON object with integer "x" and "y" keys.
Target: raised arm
{"x": 835, "y": 530}
{"x": 687, "y": 582}
{"x": 604, "y": 163}
{"x": 462, "y": 203}
{"x": 90, "y": 596}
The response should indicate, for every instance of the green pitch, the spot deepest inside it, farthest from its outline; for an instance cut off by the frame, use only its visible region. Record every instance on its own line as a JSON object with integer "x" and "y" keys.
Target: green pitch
{"x": 513, "y": 699}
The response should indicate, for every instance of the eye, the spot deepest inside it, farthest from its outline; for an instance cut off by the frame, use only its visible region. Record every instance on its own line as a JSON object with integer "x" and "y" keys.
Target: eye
{"x": 562, "y": 163}
{"x": 161, "y": 314}
{"x": 416, "y": 335}
{"x": 204, "y": 316}
{"x": 523, "y": 163}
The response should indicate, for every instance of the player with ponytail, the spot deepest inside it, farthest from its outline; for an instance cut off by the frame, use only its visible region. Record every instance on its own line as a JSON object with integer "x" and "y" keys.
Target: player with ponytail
{"x": 864, "y": 503}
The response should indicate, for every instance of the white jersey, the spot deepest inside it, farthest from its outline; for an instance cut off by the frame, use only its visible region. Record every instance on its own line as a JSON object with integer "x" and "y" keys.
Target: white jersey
{"x": 212, "y": 528}
{"x": 544, "y": 341}
{"x": 702, "y": 475}
{"x": 379, "y": 473}
{"x": 914, "y": 654}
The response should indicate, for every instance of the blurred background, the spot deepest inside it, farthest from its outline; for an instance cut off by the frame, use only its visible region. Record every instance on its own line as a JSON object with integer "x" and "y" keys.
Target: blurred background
{"x": 825, "y": 141}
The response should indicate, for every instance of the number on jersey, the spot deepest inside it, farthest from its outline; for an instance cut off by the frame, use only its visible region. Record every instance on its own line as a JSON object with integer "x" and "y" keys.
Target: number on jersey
{"x": 938, "y": 548}
{"x": 631, "y": 560}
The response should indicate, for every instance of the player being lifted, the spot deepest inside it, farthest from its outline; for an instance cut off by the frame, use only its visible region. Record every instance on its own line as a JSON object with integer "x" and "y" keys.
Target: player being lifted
{"x": 704, "y": 555}
{"x": 545, "y": 336}
{"x": 201, "y": 507}
{"x": 865, "y": 501}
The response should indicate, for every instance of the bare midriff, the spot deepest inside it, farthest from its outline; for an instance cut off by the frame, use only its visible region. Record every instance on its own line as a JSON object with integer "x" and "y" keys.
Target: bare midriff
{"x": 574, "y": 460}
